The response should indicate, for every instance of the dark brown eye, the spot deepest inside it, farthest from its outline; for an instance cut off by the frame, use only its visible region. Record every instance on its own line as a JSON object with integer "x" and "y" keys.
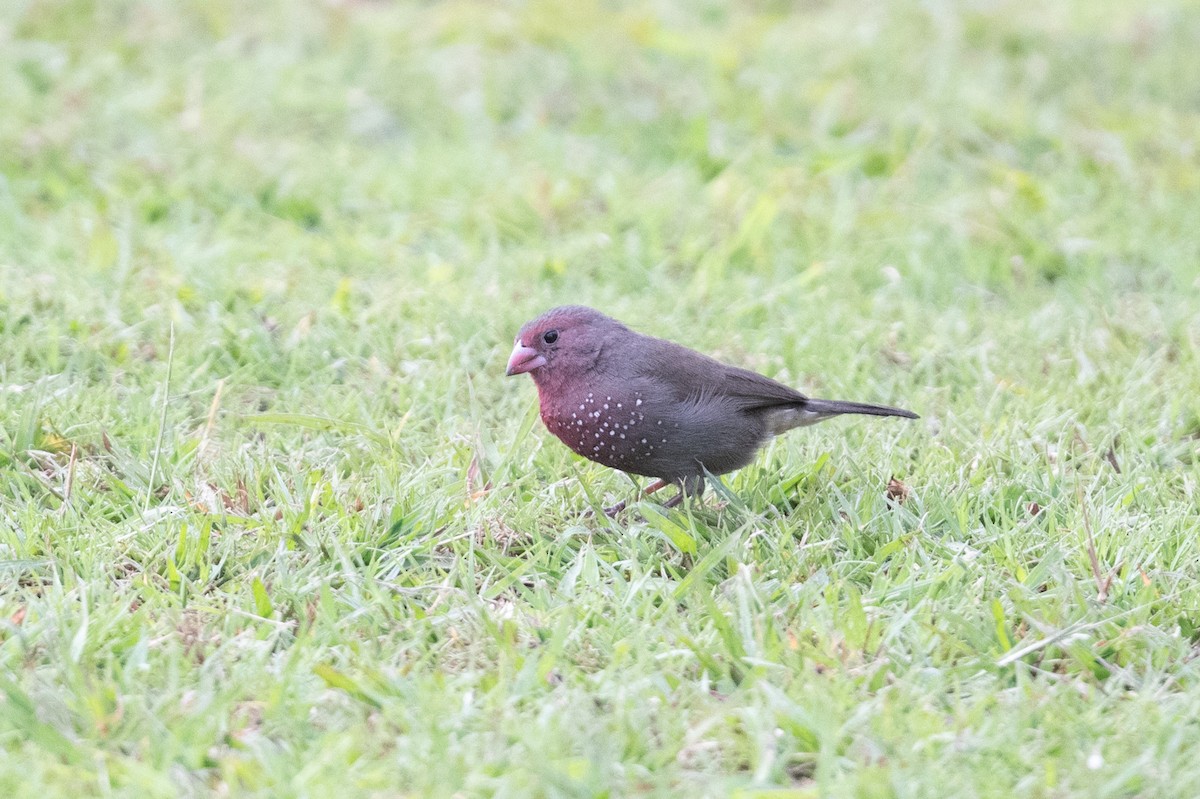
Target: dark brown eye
{"x": 550, "y": 336}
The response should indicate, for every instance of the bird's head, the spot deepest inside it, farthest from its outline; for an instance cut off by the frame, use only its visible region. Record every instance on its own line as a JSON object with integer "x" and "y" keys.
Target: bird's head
{"x": 562, "y": 342}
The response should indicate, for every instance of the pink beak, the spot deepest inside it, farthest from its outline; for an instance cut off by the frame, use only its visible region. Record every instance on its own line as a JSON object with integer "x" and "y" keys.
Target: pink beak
{"x": 523, "y": 359}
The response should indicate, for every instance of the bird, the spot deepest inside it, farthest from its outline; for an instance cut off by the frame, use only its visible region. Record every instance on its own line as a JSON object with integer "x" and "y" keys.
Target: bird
{"x": 651, "y": 407}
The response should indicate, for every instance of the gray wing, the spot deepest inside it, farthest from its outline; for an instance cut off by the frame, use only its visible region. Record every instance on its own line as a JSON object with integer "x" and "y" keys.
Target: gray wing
{"x": 687, "y": 376}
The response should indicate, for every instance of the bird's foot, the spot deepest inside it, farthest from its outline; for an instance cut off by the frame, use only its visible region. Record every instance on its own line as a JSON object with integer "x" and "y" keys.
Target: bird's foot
{"x": 620, "y": 506}
{"x": 613, "y": 510}
{"x": 691, "y": 487}
{"x": 674, "y": 501}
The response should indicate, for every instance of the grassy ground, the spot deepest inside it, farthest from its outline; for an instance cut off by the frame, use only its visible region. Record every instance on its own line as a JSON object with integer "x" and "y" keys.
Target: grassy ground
{"x": 273, "y": 522}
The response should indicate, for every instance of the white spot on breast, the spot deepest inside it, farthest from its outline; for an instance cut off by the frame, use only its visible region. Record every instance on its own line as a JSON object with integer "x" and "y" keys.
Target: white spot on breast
{"x": 639, "y": 402}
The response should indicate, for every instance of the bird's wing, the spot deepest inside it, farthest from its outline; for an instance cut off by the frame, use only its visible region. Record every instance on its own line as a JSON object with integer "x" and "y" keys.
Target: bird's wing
{"x": 758, "y": 391}
{"x": 689, "y": 376}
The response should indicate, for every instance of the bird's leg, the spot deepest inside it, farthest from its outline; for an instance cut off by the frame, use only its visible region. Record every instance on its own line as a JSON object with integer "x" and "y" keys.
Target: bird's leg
{"x": 656, "y": 485}
{"x": 650, "y": 489}
{"x": 688, "y": 487}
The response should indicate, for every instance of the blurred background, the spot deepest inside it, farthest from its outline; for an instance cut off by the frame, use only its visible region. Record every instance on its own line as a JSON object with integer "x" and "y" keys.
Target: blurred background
{"x": 843, "y": 172}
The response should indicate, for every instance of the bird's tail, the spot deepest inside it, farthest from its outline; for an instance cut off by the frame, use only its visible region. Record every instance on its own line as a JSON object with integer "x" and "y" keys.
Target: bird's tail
{"x": 835, "y": 407}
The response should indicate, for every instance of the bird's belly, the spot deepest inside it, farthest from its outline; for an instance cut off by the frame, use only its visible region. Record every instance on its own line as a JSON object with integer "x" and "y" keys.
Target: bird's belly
{"x": 708, "y": 438}
{"x": 660, "y": 449}
{"x": 609, "y": 430}
{"x": 648, "y": 439}
{"x": 605, "y": 445}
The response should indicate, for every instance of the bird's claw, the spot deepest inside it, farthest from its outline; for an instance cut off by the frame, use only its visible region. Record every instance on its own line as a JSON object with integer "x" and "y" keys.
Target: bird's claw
{"x": 613, "y": 510}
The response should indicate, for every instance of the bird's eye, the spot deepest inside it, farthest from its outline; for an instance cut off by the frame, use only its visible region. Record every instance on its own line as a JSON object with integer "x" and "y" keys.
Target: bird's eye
{"x": 550, "y": 336}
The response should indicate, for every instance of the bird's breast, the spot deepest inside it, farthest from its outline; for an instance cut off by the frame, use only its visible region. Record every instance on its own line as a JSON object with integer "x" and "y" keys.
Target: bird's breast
{"x": 603, "y": 427}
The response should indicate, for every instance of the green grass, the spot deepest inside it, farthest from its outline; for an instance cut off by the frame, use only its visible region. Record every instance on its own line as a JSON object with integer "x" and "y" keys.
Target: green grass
{"x": 272, "y": 522}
